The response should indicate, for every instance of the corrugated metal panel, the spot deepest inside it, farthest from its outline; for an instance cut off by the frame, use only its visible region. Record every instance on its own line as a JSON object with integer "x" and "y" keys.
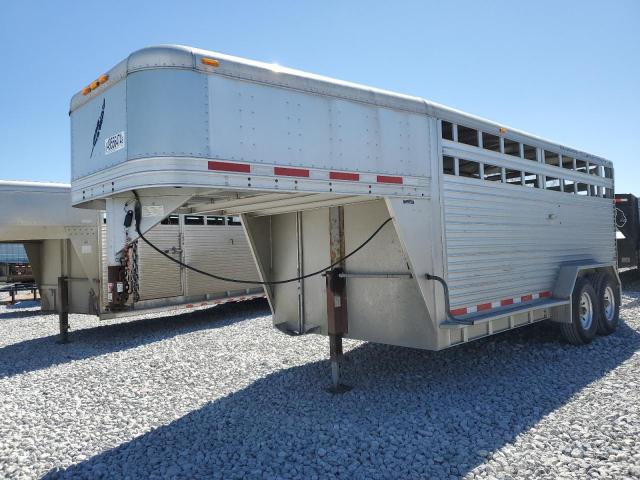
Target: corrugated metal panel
{"x": 504, "y": 240}
{"x": 219, "y": 249}
{"x": 158, "y": 276}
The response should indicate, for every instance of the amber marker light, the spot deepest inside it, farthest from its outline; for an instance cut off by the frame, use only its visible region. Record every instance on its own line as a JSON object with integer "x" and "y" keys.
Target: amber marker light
{"x": 212, "y": 62}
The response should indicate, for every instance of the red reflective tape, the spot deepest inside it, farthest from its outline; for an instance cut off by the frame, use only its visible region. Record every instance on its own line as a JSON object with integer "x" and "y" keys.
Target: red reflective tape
{"x": 230, "y": 167}
{"x": 204, "y": 304}
{"x": 189, "y": 305}
{"x": 344, "y": 176}
{"x": 484, "y": 306}
{"x": 506, "y": 301}
{"x": 291, "y": 172}
{"x": 459, "y": 311}
{"x": 545, "y": 294}
{"x": 389, "y": 179}
{"x": 526, "y": 298}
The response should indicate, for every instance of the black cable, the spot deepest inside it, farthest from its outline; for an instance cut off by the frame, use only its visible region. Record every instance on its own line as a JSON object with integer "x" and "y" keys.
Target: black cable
{"x": 235, "y": 280}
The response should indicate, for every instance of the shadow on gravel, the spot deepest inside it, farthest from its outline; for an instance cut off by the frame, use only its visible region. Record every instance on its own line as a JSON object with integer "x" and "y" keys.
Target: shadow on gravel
{"x": 411, "y": 413}
{"x": 34, "y": 307}
{"x": 44, "y": 352}
{"x": 21, "y": 314}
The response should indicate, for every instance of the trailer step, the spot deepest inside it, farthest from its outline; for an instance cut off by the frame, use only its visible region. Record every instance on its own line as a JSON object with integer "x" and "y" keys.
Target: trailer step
{"x": 485, "y": 317}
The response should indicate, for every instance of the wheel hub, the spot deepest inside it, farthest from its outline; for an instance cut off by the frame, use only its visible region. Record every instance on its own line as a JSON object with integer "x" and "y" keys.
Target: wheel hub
{"x": 586, "y": 311}
{"x": 609, "y": 304}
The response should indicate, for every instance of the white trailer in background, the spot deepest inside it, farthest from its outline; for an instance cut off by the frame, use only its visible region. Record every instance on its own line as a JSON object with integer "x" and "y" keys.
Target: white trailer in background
{"x": 40, "y": 216}
{"x": 67, "y": 242}
{"x": 491, "y": 228}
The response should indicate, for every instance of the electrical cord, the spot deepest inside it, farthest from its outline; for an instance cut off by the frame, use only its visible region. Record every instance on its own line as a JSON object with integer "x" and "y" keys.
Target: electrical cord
{"x": 138, "y": 217}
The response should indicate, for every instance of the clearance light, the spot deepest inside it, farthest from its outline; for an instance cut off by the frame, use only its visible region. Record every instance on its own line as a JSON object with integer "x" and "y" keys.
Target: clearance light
{"x": 95, "y": 84}
{"x": 503, "y": 130}
{"x": 212, "y": 62}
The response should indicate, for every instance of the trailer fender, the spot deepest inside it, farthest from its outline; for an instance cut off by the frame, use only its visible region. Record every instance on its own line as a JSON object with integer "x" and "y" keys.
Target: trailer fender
{"x": 566, "y": 280}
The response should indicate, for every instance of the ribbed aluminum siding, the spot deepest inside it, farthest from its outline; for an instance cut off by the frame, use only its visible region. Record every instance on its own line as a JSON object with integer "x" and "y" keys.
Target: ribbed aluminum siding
{"x": 504, "y": 240}
{"x": 219, "y": 249}
{"x": 158, "y": 276}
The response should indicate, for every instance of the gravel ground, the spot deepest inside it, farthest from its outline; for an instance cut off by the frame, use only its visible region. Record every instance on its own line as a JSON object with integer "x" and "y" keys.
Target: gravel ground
{"x": 220, "y": 394}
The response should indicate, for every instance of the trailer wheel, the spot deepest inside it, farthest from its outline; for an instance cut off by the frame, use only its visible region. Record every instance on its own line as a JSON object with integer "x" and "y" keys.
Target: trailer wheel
{"x": 608, "y": 303}
{"x": 584, "y": 314}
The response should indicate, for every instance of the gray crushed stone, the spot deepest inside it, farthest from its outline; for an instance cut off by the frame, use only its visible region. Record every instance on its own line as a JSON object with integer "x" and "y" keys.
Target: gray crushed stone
{"x": 219, "y": 393}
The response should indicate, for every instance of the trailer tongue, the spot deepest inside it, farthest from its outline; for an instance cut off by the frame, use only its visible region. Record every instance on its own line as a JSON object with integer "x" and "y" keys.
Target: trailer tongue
{"x": 491, "y": 228}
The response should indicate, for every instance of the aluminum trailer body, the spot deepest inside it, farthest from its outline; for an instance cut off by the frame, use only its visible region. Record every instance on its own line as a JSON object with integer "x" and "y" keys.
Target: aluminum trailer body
{"x": 71, "y": 242}
{"x": 314, "y": 165}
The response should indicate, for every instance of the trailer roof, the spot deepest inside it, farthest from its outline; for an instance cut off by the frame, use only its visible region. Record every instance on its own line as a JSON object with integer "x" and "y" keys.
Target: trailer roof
{"x": 185, "y": 57}
{"x": 12, "y": 185}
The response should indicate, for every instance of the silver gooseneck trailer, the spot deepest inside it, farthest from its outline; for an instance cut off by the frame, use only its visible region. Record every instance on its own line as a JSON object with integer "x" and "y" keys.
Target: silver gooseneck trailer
{"x": 491, "y": 228}
{"x": 70, "y": 243}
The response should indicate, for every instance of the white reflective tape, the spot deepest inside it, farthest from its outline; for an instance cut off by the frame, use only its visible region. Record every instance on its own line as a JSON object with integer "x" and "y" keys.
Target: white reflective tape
{"x": 337, "y": 301}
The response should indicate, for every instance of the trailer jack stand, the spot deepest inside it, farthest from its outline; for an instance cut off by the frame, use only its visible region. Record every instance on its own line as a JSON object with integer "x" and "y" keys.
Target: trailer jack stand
{"x": 337, "y": 319}
{"x": 336, "y": 359}
{"x": 63, "y": 311}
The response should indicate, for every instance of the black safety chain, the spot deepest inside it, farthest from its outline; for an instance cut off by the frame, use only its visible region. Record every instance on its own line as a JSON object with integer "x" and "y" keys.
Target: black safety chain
{"x": 135, "y": 284}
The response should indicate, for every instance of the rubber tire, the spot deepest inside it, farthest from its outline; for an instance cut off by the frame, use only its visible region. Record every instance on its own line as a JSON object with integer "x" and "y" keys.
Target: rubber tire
{"x": 574, "y": 332}
{"x": 600, "y": 282}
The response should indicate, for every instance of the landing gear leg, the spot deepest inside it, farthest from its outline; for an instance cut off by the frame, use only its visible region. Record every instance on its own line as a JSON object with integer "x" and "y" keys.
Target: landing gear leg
{"x": 337, "y": 318}
{"x": 336, "y": 358}
{"x": 63, "y": 310}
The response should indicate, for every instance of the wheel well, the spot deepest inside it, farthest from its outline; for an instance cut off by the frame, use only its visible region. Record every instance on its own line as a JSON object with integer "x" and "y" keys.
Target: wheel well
{"x": 587, "y": 272}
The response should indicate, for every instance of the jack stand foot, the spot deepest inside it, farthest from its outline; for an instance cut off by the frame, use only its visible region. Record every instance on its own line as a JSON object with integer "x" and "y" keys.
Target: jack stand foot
{"x": 336, "y": 387}
{"x": 340, "y": 389}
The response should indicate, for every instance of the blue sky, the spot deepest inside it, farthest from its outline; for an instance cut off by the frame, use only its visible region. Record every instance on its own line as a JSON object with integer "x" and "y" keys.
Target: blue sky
{"x": 565, "y": 70}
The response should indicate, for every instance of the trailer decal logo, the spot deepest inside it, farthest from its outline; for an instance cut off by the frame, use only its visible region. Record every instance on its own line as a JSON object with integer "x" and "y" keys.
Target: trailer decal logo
{"x": 114, "y": 143}
{"x": 96, "y": 133}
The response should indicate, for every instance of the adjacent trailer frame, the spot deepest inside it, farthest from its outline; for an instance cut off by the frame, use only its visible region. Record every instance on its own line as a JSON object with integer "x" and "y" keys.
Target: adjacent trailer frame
{"x": 67, "y": 249}
{"x": 628, "y": 223}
